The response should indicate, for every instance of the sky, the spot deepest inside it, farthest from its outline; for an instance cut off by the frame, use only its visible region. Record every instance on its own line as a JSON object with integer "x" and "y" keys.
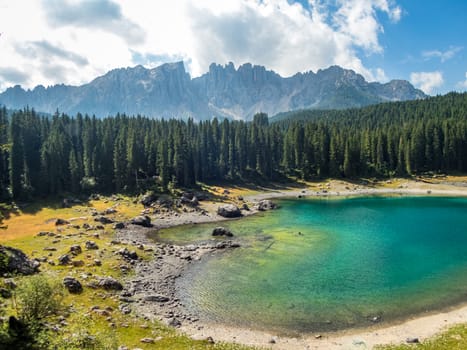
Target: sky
{"x": 47, "y": 42}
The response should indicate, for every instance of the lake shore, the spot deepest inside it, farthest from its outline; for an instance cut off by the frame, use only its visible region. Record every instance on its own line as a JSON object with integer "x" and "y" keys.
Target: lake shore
{"x": 159, "y": 276}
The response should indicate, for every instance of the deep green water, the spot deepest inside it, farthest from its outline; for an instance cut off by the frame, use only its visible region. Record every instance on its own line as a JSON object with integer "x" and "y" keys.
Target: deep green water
{"x": 355, "y": 259}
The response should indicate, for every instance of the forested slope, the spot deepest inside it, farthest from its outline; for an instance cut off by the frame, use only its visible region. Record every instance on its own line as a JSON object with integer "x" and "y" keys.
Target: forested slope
{"x": 49, "y": 155}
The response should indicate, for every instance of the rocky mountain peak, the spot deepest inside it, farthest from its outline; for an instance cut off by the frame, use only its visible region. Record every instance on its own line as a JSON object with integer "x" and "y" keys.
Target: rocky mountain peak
{"x": 224, "y": 91}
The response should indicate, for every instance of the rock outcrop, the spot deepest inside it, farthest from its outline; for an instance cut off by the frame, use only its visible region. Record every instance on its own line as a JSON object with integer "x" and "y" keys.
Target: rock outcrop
{"x": 13, "y": 260}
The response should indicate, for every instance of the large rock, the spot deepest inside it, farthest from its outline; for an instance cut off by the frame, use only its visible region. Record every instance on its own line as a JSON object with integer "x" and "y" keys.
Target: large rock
{"x": 72, "y": 285}
{"x": 91, "y": 245}
{"x": 75, "y": 249}
{"x": 142, "y": 220}
{"x": 103, "y": 220}
{"x": 13, "y": 260}
{"x": 266, "y": 204}
{"x": 222, "y": 231}
{"x": 64, "y": 259}
{"x": 148, "y": 199}
{"x": 109, "y": 283}
{"x": 61, "y": 222}
{"x": 165, "y": 201}
{"x": 189, "y": 198}
{"x": 119, "y": 226}
{"x": 127, "y": 254}
{"x": 229, "y": 211}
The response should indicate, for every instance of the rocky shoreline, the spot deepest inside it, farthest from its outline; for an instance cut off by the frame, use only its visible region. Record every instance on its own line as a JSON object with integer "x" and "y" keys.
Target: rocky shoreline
{"x": 152, "y": 291}
{"x": 154, "y": 288}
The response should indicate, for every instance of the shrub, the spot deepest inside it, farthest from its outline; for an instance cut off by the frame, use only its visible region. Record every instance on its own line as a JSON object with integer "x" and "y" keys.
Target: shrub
{"x": 37, "y": 298}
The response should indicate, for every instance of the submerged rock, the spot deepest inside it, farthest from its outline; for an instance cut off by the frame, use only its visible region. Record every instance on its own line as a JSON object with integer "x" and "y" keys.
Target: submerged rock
{"x": 156, "y": 298}
{"x": 222, "y": 231}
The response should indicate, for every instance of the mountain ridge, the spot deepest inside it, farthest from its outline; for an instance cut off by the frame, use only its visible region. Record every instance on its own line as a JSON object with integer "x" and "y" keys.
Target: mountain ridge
{"x": 224, "y": 91}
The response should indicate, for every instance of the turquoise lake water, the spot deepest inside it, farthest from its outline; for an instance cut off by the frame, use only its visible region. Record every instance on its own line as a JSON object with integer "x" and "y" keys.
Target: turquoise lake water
{"x": 327, "y": 264}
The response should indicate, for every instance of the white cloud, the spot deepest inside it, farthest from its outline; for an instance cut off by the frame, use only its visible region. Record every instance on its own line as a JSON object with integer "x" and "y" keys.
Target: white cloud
{"x": 379, "y": 75}
{"x": 357, "y": 18}
{"x": 62, "y": 36}
{"x": 442, "y": 55}
{"x": 463, "y": 84}
{"x": 427, "y": 81}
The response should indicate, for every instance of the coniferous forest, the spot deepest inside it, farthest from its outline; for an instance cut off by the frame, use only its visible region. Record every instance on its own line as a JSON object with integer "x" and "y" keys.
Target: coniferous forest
{"x": 43, "y": 156}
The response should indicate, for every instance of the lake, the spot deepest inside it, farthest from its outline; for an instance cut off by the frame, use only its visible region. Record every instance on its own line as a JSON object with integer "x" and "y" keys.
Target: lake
{"x": 327, "y": 264}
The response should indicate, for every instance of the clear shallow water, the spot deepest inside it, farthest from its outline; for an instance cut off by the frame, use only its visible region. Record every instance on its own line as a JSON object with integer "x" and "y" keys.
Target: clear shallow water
{"x": 355, "y": 259}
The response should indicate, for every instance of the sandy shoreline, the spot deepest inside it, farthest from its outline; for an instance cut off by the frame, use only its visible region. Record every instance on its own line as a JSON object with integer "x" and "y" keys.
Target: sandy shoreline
{"x": 154, "y": 274}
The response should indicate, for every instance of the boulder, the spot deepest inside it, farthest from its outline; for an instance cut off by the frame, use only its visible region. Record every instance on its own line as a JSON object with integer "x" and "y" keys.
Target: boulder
{"x": 186, "y": 197}
{"x": 222, "y": 231}
{"x": 42, "y": 234}
{"x": 64, "y": 259}
{"x": 13, "y": 260}
{"x": 165, "y": 201}
{"x": 72, "y": 285}
{"x": 76, "y": 249}
{"x": 412, "y": 340}
{"x": 119, "y": 226}
{"x": 266, "y": 204}
{"x": 77, "y": 263}
{"x": 109, "y": 211}
{"x": 103, "y": 220}
{"x": 189, "y": 198}
{"x": 148, "y": 199}
{"x": 142, "y": 220}
{"x": 109, "y": 283}
{"x": 91, "y": 245}
{"x": 60, "y": 222}
{"x": 127, "y": 255}
{"x": 229, "y": 211}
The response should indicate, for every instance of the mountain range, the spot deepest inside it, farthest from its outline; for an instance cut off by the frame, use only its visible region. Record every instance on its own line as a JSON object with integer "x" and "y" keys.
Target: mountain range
{"x": 224, "y": 91}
